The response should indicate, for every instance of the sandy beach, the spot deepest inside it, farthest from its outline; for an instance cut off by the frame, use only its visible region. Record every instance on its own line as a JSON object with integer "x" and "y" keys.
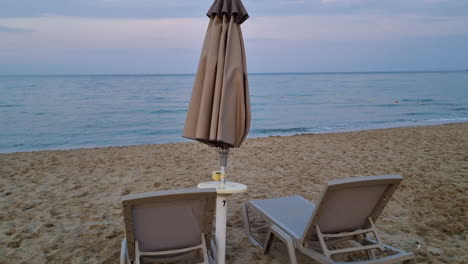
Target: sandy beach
{"x": 64, "y": 206}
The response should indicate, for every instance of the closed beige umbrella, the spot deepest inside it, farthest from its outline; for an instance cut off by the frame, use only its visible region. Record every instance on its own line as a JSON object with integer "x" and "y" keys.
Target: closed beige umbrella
{"x": 219, "y": 111}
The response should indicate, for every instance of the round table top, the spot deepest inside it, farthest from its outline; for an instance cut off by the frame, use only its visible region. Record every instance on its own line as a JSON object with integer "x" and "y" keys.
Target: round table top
{"x": 228, "y": 188}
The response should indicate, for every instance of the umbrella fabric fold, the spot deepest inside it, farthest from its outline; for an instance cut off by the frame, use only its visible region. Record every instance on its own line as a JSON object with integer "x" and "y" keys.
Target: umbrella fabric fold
{"x": 219, "y": 110}
{"x": 230, "y": 8}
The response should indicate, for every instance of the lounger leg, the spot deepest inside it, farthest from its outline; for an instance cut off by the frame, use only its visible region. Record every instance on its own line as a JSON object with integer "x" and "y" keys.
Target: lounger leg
{"x": 204, "y": 251}
{"x": 286, "y": 239}
{"x": 323, "y": 245}
{"x": 248, "y": 231}
{"x": 212, "y": 255}
{"x": 124, "y": 252}
{"x": 268, "y": 242}
{"x": 274, "y": 231}
{"x": 137, "y": 253}
{"x": 370, "y": 254}
{"x": 211, "y": 260}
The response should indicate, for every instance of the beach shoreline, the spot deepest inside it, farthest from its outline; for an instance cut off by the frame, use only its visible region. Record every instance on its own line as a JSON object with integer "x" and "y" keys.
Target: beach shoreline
{"x": 63, "y": 206}
{"x": 426, "y": 123}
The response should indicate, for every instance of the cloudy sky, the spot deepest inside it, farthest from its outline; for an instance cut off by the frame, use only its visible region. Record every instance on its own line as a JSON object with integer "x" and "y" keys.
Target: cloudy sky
{"x": 165, "y": 36}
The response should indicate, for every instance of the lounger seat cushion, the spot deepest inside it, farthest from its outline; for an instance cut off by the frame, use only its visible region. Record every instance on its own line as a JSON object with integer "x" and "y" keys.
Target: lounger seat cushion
{"x": 291, "y": 213}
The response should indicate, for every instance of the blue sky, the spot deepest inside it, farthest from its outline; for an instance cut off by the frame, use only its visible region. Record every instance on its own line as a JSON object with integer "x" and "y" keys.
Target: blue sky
{"x": 165, "y": 36}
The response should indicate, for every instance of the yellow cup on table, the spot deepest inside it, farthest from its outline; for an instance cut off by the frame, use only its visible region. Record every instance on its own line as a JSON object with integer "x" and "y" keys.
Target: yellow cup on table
{"x": 217, "y": 176}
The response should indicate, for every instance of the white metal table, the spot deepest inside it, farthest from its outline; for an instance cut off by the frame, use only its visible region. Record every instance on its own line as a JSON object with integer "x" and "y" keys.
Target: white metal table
{"x": 221, "y": 212}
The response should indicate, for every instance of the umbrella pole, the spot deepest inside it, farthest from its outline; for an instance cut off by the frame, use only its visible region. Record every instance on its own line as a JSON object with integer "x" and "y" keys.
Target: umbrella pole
{"x": 223, "y": 157}
{"x": 221, "y": 210}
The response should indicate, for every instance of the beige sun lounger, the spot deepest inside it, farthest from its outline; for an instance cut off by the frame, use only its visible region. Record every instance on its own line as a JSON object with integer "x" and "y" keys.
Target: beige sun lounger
{"x": 347, "y": 210}
{"x": 168, "y": 226}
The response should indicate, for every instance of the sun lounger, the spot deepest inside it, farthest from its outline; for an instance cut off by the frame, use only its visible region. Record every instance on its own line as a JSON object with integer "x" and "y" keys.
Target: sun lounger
{"x": 345, "y": 213}
{"x": 168, "y": 226}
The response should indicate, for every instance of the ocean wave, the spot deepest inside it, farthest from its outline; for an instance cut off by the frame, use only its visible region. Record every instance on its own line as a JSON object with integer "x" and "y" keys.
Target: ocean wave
{"x": 281, "y": 130}
{"x": 162, "y": 132}
{"x": 10, "y": 105}
{"x": 418, "y": 114}
{"x": 388, "y": 105}
{"x": 165, "y": 111}
{"x": 456, "y": 119}
{"x": 459, "y": 109}
{"x": 417, "y": 100}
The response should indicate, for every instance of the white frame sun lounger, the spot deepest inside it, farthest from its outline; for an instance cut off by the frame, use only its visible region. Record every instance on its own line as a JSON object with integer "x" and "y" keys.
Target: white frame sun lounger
{"x": 346, "y": 210}
{"x": 168, "y": 225}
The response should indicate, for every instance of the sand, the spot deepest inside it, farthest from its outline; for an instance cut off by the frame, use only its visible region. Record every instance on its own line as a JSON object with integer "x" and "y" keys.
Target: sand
{"x": 64, "y": 206}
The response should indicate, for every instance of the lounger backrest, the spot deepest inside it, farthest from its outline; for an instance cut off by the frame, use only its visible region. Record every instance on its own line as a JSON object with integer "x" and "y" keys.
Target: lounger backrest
{"x": 346, "y": 205}
{"x": 168, "y": 220}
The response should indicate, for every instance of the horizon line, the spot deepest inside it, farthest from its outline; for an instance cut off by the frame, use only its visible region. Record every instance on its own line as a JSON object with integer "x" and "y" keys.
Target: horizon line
{"x": 255, "y": 73}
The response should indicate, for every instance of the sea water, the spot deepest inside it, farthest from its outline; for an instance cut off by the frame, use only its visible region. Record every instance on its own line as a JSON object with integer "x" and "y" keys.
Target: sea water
{"x": 64, "y": 112}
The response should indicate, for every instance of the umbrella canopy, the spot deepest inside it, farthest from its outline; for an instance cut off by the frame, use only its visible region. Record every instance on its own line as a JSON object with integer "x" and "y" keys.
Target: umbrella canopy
{"x": 219, "y": 110}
